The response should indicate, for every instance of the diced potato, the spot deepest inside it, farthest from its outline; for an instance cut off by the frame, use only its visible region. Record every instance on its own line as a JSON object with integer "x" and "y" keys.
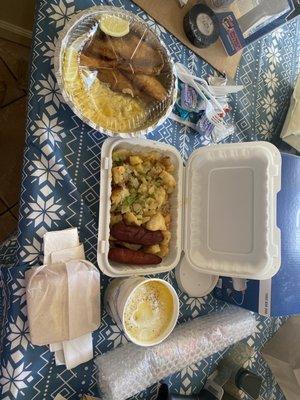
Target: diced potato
{"x": 143, "y": 188}
{"x": 145, "y": 219}
{"x": 156, "y": 170}
{"x": 137, "y": 208}
{"x": 146, "y": 166}
{"x": 115, "y": 218}
{"x": 154, "y": 249}
{"x": 149, "y": 213}
{"x": 139, "y": 168}
{"x": 151, "y": 189}
{"x": 131, "y": 219}
{"x": 120, "y": 155}
{"x": 167, "y": 163}
{"x": 135, "y": 160}
{"x": 118, "y": 195}
{"x": 152, "y": 156}
{"x": 164, "y": 250}
{"x": 160, "y": 196}
{"x": 134, "y": 182}
{"x": 151, "y": 204}
{"x": 167, "y": 237}
{"x": 118, "y": 174}
{"x": 168, "y": 220}
{"x": 156, "y": 223}
{"x": 168, "y": 180}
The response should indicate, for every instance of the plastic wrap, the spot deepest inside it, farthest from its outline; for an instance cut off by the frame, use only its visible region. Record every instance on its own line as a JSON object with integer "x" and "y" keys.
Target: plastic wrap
{"x": 127, "y": 370}
{"x": 117, "y": 82}
{"x": 63, "y": 301}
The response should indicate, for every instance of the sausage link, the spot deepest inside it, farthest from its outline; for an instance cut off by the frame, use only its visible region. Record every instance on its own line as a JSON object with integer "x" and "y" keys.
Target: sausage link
{"x": 135, "y": 234}
{"x": 127, "y": 256}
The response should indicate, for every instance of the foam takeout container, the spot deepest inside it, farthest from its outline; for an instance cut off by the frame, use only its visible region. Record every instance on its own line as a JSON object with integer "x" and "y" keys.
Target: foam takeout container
{"x": 223, "y": 209}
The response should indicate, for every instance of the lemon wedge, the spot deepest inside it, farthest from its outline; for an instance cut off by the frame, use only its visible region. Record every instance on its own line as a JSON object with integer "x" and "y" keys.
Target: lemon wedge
{"x": 114, "y": 26}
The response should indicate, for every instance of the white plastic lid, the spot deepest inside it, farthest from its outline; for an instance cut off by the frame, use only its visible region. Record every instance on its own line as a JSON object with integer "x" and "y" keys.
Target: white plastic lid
{"x": 230, "y": 210}
{"x": 193, "y": 282}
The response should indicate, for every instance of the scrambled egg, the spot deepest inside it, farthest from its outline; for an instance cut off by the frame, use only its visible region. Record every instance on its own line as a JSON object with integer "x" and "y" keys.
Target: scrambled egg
{"x": 141, "y": 186}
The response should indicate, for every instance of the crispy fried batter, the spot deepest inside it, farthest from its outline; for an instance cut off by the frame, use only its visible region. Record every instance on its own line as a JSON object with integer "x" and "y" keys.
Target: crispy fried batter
{"x": 117, "y": 81}
{"x": 131, "y": 48}
{"x": 148, "y": 84}
{"x": 127, "y": 65}
{"x": 92, "y": 61}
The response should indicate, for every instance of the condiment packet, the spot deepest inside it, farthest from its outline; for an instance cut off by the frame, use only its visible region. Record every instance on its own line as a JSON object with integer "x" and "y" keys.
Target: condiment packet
{"x": 189, "y": 100}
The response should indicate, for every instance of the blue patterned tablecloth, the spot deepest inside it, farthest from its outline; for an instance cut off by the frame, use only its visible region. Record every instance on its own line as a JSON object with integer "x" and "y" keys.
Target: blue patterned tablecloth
{"x": 60, "y": 188}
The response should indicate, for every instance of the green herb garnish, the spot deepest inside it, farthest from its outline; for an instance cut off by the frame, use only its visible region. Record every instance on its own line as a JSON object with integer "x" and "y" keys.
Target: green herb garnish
{"x": 129, "y": 200}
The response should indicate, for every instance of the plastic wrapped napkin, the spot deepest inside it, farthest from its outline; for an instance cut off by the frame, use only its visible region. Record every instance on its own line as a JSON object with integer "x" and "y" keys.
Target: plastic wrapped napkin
{"x": 63, "y": 301}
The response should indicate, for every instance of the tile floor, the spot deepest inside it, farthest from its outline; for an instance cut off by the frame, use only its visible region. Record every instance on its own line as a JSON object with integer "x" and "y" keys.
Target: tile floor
{"x": 14, "y": 59}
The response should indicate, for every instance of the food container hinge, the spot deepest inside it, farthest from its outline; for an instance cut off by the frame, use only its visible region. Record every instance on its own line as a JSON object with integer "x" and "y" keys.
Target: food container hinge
{"x": 103, "y": 246}
{"x": 106, "y": 163}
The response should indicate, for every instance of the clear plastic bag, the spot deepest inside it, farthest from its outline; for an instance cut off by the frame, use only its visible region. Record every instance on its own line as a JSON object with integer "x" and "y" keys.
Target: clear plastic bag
{"x": 63, "y": 301}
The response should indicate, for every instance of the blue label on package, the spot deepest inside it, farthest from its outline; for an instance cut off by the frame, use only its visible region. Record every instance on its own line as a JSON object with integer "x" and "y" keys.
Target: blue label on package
{"x": 279, "y": 296}
{"x": 230, "y": 33}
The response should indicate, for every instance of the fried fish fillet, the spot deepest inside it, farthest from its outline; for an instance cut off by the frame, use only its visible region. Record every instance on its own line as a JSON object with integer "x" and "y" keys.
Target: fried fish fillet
{"x": 92, "y": 61}
{"x": 149, "y": 84}
{"x": 130, "y": 48}
{"x": 117, "y": 81}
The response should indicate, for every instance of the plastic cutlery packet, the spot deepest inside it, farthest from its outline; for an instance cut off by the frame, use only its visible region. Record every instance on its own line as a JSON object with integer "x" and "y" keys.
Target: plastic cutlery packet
{"x": 204, "y": 107}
